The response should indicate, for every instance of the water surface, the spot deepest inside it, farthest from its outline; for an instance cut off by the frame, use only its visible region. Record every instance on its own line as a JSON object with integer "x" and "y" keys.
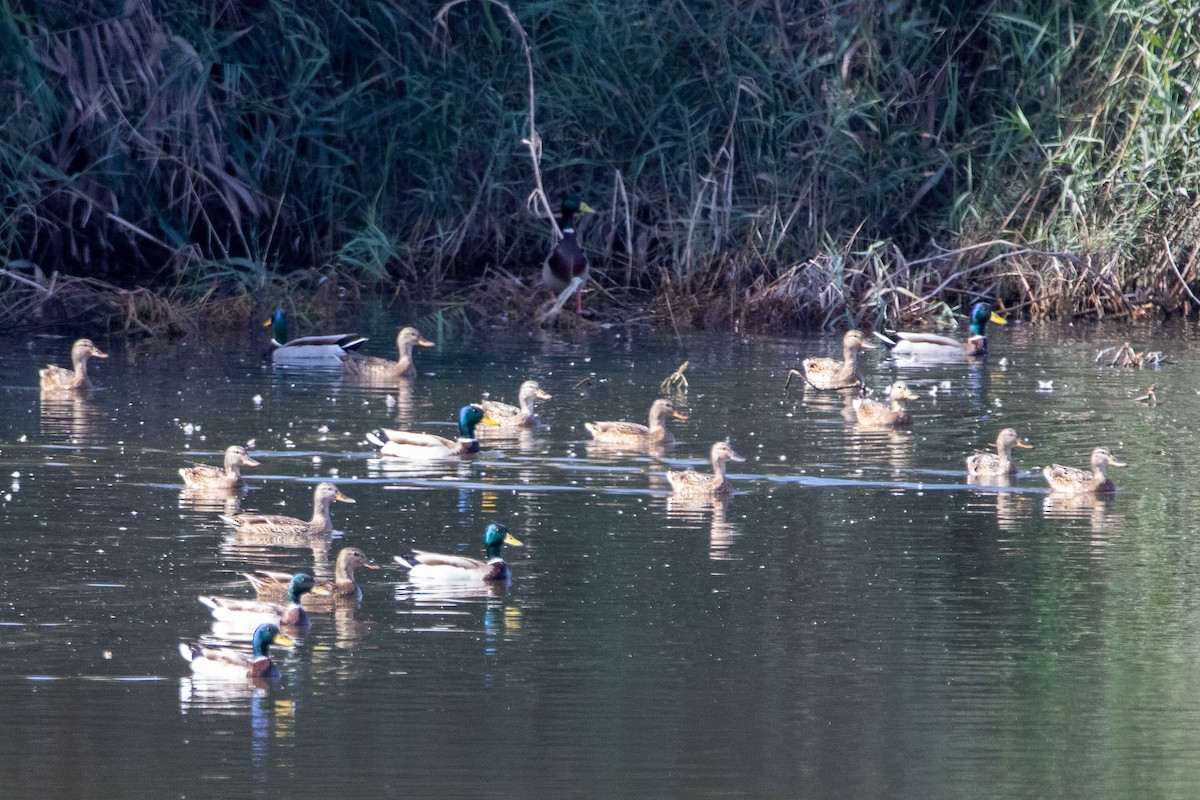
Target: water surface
{"x": 856, "y": 621}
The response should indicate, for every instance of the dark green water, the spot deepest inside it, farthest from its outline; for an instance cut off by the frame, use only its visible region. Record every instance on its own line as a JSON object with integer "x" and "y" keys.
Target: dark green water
{"x": 856, "y": 622}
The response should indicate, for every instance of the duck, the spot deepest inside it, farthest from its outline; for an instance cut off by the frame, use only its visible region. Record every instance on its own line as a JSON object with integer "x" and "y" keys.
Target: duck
{"x": 691, "y": 483}
{"x": 422, "y": 446}
{"x": 58, "y": 379}
{"x": 440, "y": 568}
{"x": 329, "y": 349}
{"x": 269, "y": 525}
{"x": 523, "y": 416}
{"x": 292, "y": 615}
{"x": 205, "y": 476}
{"x": 892, "y": 414}
{"x": 1078, "y": 481}
{"x": 633, "y": 434}
{"x": 234, "y": 664}
{"x": 270, "y": 584}
{"x": 829, "y": 373}
{"x": 932, "y": 347}
{"x": 381, "y": 369}
{"x": 567, "y": 262}
{"x": 998, "y": 463}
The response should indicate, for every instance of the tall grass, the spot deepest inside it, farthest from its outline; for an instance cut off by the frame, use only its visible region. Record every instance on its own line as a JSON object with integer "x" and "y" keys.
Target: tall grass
{"x": 757, "y": 163}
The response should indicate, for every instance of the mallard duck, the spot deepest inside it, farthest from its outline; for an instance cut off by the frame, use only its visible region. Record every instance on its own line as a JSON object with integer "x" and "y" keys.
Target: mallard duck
{"x": 523, "y": 416}
{"x": 235, "y": 664}
{"x": 1000, "y": 462}
{"x": 439, "y": 568}
{"x": 381, "y": 369}
{"x": 276, "y": 584}
{"x": 633, "y": 434}
{"x": 567, "y": 261}
{"x": 58, "y": 379}
{"x": 292, "y": 615}
{"x": 205, "y": 476}
{"x": 892, "y": 414}
{"x": 422, "y": 446}
{"x": 692, "y": 483}
{"x": 829, "y": 373}
{"x": 931, "y": 347}
{"x": 328, "y": 349}
{"x": 320, "y": 526}
{"x": 1071, "y": 480}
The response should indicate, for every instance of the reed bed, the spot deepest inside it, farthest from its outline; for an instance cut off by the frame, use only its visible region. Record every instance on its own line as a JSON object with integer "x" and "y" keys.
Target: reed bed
{"x": 757, "y": 165}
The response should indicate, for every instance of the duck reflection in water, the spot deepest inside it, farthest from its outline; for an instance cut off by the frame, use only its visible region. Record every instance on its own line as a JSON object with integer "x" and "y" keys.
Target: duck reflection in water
{"x": 691, "y": 511}
{"x": 1096, "y": 509}
{"x": 71, "y": 417}
{"x": 1010, "y": 507}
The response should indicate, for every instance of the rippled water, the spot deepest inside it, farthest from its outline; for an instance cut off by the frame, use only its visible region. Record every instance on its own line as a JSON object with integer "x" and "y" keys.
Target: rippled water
{"x": 856, "y": 621}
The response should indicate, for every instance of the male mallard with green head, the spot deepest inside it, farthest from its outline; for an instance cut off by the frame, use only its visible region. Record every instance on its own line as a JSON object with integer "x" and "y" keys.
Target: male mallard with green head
{"x": 424, "y": 446}
{"x": 234, "y": 664}
{"x": 931, "y": 347}
{"x": 441, "y": 568}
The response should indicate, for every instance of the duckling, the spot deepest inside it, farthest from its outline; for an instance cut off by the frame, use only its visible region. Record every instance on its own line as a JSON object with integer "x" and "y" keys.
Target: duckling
{"x": 57, "y": 379}
{"x": 634, "y": 435}
{"x": 931, "y": 347}
{"x": 692, "y": 484}
{"x": 381, "y": 369}
{"x": 567, "y": 261}
{"x": 829, "y": 373}
{"x": 268, "y": 583}
{"x": 439, "y": 568}
{"x": 1000, "y": 462}
{"x": 327, "y": 349}
{"x": 423, "y": 446}
{"x": 205, "y": 476}
{"x": 524, "y": 416}
{"x": 893, "y": 414}
{"x": 293, "y": 615}
{"x": 232, "y": 664}
{"x": 269, "y": 525}
{"x": 1072, "y": 480}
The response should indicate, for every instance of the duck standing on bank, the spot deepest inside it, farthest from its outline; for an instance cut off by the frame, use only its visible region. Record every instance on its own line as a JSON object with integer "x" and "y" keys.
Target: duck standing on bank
{"x": 567, "y": 263}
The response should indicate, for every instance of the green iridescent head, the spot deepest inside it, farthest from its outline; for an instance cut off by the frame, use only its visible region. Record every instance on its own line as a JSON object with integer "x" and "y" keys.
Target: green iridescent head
{"x": 572, "y": 204}
{"x": 266, "y": 635}
{"x": 981, "y": 315}
{"x": 301, "y": 584}
{"x": 469, "y": 417}
{"x": 278, "y": 323}
{"x": 495, "y": 537}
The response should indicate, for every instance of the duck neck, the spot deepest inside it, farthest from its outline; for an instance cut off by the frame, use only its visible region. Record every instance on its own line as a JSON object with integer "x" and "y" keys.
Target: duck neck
{"x": 320, "y": 515}
{"x": 466, "y": 429}
{"x": 495, "y": 550}
{"x": 295, "y": 593}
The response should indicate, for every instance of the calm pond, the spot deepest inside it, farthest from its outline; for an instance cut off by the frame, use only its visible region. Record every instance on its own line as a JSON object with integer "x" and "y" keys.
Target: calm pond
{"x": 857, "y": 621}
